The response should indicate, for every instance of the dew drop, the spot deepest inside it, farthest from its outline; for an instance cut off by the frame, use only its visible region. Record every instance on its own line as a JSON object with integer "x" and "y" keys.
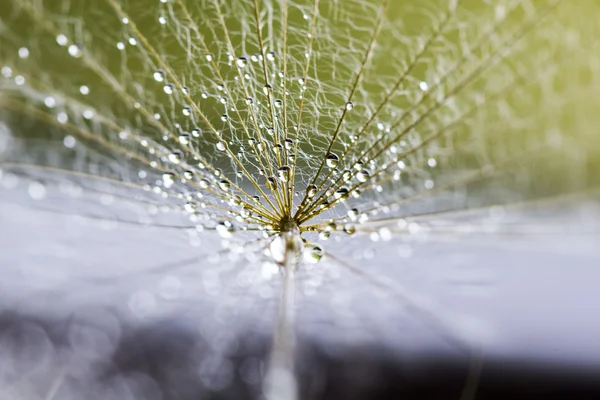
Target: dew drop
{"x": 278, "y": 103}
{"x": 349, "y": 229}
{"x": 289, "y": 143}
{"x": 341, "y": 193}
{"x": 224, "y": 185}
{"x": 184, "y": 138}
{"x": 225, "y": 229}
{"x": 311, "y": 191}
{"x": 23, "y": 52}
{"x": 221, "y": 146}
{"x": 36, "y": 190}
{"x": 204, "y": 183}
{"x": 242, "y": 62}
{"x": 271, "y": 56}
{"x": 168, "y": 89}
{"x": 284, "y": 173}
{"x": 363, "y": 175}
{"x": 349, "y": 106}
{"x": 69, "y": 142}
{"x": 312, "y": 253}
{"x": 74, "y": 50}
{"x": 159, "y": 75}
{"x": 332, "y": 160}
{"x": 175, "y": 157}
{"x": 62, "y": 40}
{"x": 168, "y": 179}
{"x": 271, "y": 183}
{"x": 353, "y": 214}
{"x": 190, "y": 207}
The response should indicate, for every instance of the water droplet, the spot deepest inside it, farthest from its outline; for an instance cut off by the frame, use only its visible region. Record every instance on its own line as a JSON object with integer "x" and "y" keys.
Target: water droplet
{"x": 266, "y": 89}
{"x": 204, "y": 183}
{"x": 289, "y": 144}
{"x": 190, "y": 207}
{"x": 221, "y": 146}
{"x": 311, "y": 191}
{"x": 332, "y": 160}
{"x": 62, "y": 40}
{"x": 225, "y": 229}
{"x": 358, "y": 165}
{"x": 74, "y": 50}
{"x": 69, "y": 141}
{"x": 168, "y": 179}
{"x": 175, "y": 157}
{"x": 36, "y": 190}
{"x": 353, "y": 214}
{"x": 187, "y": 111}
{"x": 209, "y": 57}
{"x": 349, "y": 106}
{"x": 271, "y": 183}
{"x": 324, "y": 235}
{"x": 184, "y": 138}
{"x": 159, "y": 75}
{"x": 349, "y": 229}
{"x": 271, "y": 56}
{"x": 242, "y": 62}
{"x": 225, "y": 185}
{"x": 278, "y": 103}
{"x": 432, "y": 162}
{"x": 168, "y": 89}
{"x": 312, "y": 253}
{"x": 424, "y": 86}
{"x": 23, "y": 52}
{"x": 341, "y": 193}
{"x": 188, "y": 174}
{"x": 249, "y": 101}
{"x": 284, "y": 173}
{"x": 363, "y": 176}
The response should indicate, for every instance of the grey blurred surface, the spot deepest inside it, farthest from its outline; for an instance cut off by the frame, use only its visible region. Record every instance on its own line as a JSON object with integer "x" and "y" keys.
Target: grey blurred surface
{"x": 79, "y": 294}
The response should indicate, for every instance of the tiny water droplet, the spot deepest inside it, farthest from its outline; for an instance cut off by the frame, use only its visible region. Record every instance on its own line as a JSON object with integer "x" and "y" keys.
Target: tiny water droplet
{"x": 242, "y": 62}
{"x": 311, "y": 191}
{"x": 168, "y": 179}
{"x": 312, "y": 253}
{"x": 349, "y": 106}
{"x": 175, "y": 157}
{"x": 221, "y": 146}
{"x": 225, "y": 229}
{"x": 159, "y": 75}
